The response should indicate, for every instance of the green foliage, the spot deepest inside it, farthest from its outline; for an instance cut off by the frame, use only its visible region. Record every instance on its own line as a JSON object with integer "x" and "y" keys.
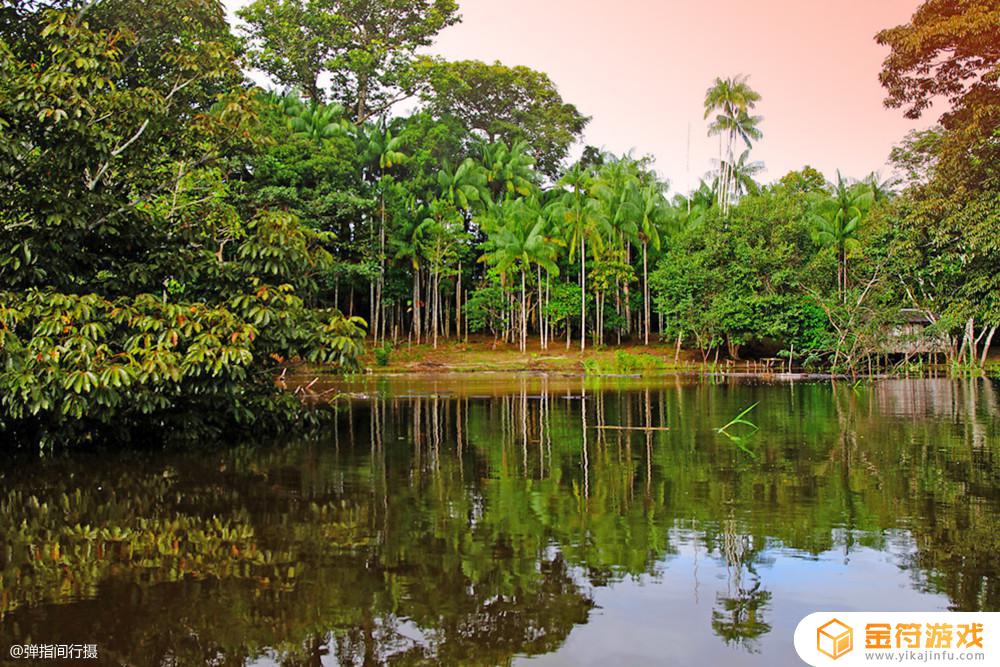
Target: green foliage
{"x": 743, "y": 282}
{"x": 136, "y": 289}
{"x": 485, "y": 309}
{"x": 367, "y": 47}
{"x": 941, "y": 233}
{"x": 625, "y": 363}
{"x": 564, "y": 304}
{"x": 508, "y": 104}
{"x": 383, "y": 353}
{"x": 948, "y": 49}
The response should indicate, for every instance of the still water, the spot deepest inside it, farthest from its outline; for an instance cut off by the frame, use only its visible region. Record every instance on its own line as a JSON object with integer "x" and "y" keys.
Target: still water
{"x": 541, "y": 521}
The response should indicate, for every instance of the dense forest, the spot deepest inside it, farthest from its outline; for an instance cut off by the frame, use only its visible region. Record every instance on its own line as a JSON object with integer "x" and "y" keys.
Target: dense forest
{"x": 173, "y": 237}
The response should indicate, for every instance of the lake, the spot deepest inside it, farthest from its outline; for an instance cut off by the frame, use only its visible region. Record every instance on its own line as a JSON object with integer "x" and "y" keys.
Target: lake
{"x": 485, "y": 519}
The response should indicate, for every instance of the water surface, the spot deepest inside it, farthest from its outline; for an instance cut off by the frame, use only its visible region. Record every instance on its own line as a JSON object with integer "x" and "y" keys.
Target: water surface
{"x": 484, "y": 521}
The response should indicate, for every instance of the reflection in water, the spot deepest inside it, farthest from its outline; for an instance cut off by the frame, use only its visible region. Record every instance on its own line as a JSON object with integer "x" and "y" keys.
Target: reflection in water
{"x": 478, "y": 525}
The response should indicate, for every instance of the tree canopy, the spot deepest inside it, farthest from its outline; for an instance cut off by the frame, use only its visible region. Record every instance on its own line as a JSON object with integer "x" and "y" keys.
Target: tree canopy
{"x": 508, "y": 104}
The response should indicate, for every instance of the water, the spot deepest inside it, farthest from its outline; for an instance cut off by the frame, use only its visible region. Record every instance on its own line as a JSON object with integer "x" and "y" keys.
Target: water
{"x": 493, "y": 521}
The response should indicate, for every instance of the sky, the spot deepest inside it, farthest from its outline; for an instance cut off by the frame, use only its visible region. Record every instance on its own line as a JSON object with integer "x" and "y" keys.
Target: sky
{"x": 640, "y": 69}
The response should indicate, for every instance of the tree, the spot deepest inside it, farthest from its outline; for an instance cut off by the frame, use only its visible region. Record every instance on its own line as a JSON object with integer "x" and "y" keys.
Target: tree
{"x": 949, "y": 49}
{"x": 382, "y": 151}
{"x": 837, "y": 220}
{"x": 616, "y": 186}
{"x": 135, "y": 291}
{"x": 806, "y": 180}
{"x": 741, "y": 175}
{"x": 509, "y": 169}
{"x": 440, "y": 238}
{"x": 367, "y": 47}
{"x": 465, "y": 187}
{"x": 507, "y": 104}
{"x": 744, "y": 282}
{"x": 653, "y": 217}
{"x": 731, "y": 99}
{"x": 317, "y": 121}
{"x": 520, "y": 241}
{"x": 583, "y": 219}
{"x": 290, "y": 40}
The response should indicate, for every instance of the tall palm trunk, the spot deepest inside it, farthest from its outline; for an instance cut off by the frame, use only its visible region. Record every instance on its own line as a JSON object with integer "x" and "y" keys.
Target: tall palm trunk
{"x": 583, "y": 293}
{"x": 458, "y": 303}
{"x": 842, "y": 272}
{"x": 416, "y": 303}
{"x": 381, "y": 272}
{"x": 645, "y": 289}
{"x": 435, "y": 305}
{"x": 524, "y": 314}
{"x": 628, "y": 305}
{"x": 542, "y": 332}
{"x": 548, "y": 315}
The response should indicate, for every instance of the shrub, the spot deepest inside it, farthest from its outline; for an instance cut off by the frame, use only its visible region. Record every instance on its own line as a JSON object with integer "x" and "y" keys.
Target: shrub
{"x": 383, "y": 353}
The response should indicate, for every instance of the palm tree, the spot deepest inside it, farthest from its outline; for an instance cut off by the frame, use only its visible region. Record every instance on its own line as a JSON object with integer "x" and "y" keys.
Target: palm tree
{"x": 521, "y": 241}
{"x": 582, "y": 218}
{"x": 439, "y": 237}
{"x": 381, "y": 152}
{"x": 741, "y": 175}
{"x": 882, "y": 190}
{"x": 407, "y": 249}
{"x": 731, "y": 99}
{"x": 653, "y": 214}
{"x": 318, "y": 121}
{"x": 689, "y": 211}
{"x": 465, "y": 187}
{"x": 509, "y": 170}
{"x": 836, "y": 222}
{"x": 617, "y": 186}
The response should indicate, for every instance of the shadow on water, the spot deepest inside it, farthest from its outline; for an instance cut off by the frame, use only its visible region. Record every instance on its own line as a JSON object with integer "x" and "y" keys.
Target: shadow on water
{"x": 487, "y": 522}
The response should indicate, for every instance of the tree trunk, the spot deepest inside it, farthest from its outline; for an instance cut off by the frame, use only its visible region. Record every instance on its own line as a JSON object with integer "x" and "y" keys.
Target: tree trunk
{"x": 381, "y": 266}
{"x": 372, "y": 312}
{"x": 986, "y": 347}
{"x": 524, "y": 314}
{"x": 645, "y": 290}
{"x": 583, "y": 293}
{"x": 542, "y": 333}
{"x": 416, "y": 304}
{"x": 435, "y": 306}
{"x": 458, "y": 303}
{"x": 968, "y": 341}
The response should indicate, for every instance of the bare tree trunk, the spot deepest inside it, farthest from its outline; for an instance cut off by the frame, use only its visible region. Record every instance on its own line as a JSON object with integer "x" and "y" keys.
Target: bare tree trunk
{"x": 967, "y": 340}
{"x": 986, "y": 346}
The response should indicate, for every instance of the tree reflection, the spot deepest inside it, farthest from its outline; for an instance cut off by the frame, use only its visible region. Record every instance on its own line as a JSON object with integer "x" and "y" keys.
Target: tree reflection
{"x": 430, "y": 528}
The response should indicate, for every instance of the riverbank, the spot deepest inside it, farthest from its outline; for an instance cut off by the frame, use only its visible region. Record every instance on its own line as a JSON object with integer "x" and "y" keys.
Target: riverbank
{"x": 486, "y": 355}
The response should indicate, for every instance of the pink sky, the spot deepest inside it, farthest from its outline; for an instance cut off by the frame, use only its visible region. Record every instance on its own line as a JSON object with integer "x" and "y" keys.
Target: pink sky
{"x": 640, "y": 69}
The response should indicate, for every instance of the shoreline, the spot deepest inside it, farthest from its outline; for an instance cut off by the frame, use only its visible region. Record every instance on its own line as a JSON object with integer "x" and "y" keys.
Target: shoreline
{"x": 454, "y": 358}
